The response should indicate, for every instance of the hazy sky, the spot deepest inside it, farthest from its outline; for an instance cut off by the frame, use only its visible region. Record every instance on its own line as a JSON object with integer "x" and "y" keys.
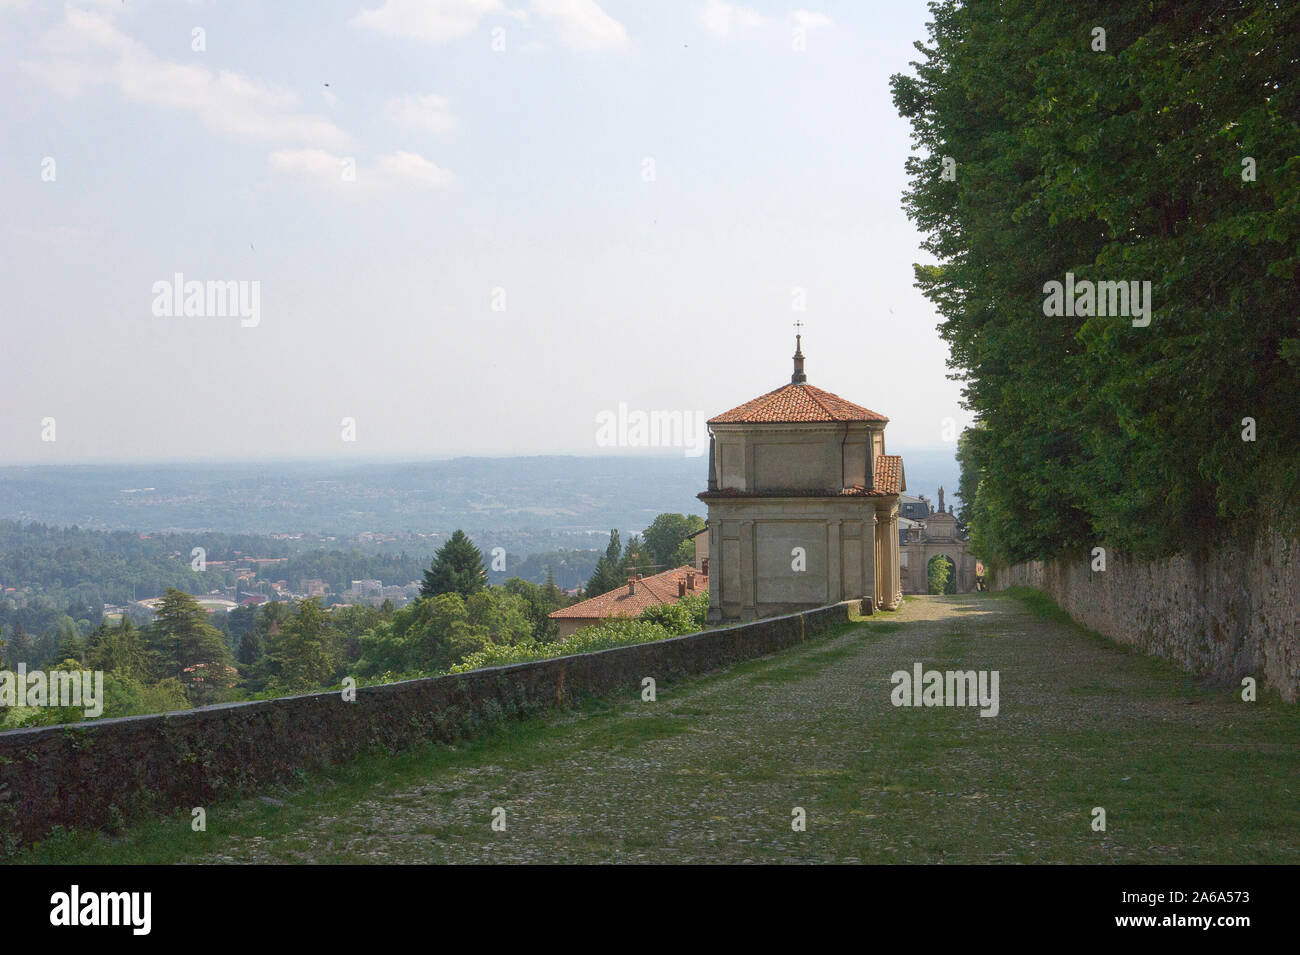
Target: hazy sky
{"x": 473, "y": 225}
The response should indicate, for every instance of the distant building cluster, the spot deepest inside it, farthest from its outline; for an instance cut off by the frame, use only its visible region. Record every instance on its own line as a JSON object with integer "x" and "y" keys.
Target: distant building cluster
{"x": 370, "y": 592}
{"x": 374, "y": 593}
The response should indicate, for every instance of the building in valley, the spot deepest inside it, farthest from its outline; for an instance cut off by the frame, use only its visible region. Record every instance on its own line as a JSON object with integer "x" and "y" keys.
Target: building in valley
{"x": 802, "y": 504}
{"x": 628, "y": 601}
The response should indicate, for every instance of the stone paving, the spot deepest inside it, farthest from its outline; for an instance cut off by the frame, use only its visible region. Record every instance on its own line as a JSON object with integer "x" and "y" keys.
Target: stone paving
{"x": 715, "y": 769}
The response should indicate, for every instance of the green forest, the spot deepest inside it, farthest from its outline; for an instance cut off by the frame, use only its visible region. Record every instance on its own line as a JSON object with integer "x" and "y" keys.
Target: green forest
{"x": 55, "y": 582}
{"x": 189, "y": 657}
{"x": 1149, "y": 142}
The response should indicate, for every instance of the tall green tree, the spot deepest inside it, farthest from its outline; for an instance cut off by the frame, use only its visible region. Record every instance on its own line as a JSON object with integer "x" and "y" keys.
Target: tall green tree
{"x": 306, "y": 654}
{"x": 189, "y": 648}
{"x": 1165, "y": 151}
{"x": 939, "y": 574}
{"x": 539, "y": 602}
{"x": 252, "y": 646}
{"x": 666, "y": 535}
{"x": 635, "y": 559}
{"x": 457, "y": 568}
{"x": 614, "y": 549}
{"x": 609, "y": 572}
{"x": 118, "y": 649}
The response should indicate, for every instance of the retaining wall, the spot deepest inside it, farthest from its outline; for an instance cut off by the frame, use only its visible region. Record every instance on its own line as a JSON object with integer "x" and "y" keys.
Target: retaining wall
{"x": 1233, "y": 613}
{"x": 101, "y": 773}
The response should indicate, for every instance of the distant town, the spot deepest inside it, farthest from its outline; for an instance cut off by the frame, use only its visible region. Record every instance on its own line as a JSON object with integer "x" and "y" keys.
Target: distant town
{"x": 369, "y": 592}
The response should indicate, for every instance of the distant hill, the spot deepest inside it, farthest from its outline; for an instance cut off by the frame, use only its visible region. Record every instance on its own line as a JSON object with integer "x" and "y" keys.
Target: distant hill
{"x": 559, "y": 501}
{"x": 558, "y": 494}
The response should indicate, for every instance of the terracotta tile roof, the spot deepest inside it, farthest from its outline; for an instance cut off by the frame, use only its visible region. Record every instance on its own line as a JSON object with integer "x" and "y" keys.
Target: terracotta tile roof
{"x": 658, "y": 589}
{"x": 797, "y": 403}
{"x": 889, "y": 474}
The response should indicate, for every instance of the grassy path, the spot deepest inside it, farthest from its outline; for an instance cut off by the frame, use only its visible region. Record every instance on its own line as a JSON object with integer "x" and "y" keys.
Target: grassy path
{"x": 712, "y": 771}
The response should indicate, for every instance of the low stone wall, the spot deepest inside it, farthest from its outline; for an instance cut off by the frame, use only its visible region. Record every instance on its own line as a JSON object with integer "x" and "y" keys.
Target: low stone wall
{"x": 101, "y": 773}
{"x": 1231, "y": 614}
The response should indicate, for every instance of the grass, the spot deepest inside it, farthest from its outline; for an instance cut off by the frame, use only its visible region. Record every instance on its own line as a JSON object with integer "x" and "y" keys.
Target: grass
{"x": 712, "y": 771}
{"x": 172, "y": 839}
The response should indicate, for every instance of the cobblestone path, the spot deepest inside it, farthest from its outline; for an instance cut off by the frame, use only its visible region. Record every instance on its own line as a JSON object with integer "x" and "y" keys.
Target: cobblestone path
{"x": 716, "y": 768}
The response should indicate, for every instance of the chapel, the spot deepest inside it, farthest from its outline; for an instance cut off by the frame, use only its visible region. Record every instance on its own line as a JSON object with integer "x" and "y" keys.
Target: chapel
{"x": 802, "y": 504}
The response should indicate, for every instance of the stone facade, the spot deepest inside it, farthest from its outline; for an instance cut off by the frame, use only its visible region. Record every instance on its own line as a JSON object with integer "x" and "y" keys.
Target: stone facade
{"x": 935, "y": 535}
{"x": 802, "y": 505}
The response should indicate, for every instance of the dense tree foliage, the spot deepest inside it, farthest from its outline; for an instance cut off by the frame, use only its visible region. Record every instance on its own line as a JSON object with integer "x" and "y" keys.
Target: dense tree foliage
{"x": 190, "y": 649}
{"x": 940, "y": 577}
{"x": 662, "y": 547}
{"x": 665, "y": 540}
{"x": 687, "y": 615}
{"x": 307, "y": 653}
{"x": 654, "y": 623}
{"x": 539, "y": 602}
{"x": 435, "y": 632}
{"x": 1167, "y": 151}
{"x": 189, "y": 656}
{"x": 564, "y": 568}
{"x": 457, "y": 568}
{"x": 120, "y": 649}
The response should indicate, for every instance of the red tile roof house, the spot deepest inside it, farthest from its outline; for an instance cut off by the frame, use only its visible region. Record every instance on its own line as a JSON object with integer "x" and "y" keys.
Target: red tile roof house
{"x": 630, "y": 599}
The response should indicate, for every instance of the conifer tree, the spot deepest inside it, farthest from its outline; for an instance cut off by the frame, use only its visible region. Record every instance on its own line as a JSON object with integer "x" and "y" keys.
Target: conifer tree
{"x": 457, "y": 568}
{"x": 189, "y": 647}
{"x": 307, "y": 653}
{"x": 118, "y": 650}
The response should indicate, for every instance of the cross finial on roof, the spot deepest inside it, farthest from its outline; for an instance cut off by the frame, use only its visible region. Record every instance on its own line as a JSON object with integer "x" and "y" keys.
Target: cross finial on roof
{"x": 798, "y": 378}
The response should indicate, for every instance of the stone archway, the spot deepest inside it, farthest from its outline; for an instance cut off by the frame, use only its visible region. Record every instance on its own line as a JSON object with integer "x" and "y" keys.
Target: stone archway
{"x": 950, "y": 585}
{"x": 918, "y": 554}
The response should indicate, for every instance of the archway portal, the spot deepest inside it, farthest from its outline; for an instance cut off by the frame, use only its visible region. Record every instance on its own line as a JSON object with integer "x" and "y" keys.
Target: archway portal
{"x": 942, "y": 575}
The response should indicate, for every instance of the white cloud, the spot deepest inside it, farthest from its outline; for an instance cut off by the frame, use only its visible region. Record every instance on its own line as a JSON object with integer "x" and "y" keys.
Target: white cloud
{"x": 721, "y": 18}
{"x": 412, "y": 170}
{"x": 810, "y": 20}
{"x": 433, "y": 21}
{"x": 87, "y": 50}
{"x": 389, "y": 174}
{"x": 582, "y": 24}
{"x": 429, "y": 113}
